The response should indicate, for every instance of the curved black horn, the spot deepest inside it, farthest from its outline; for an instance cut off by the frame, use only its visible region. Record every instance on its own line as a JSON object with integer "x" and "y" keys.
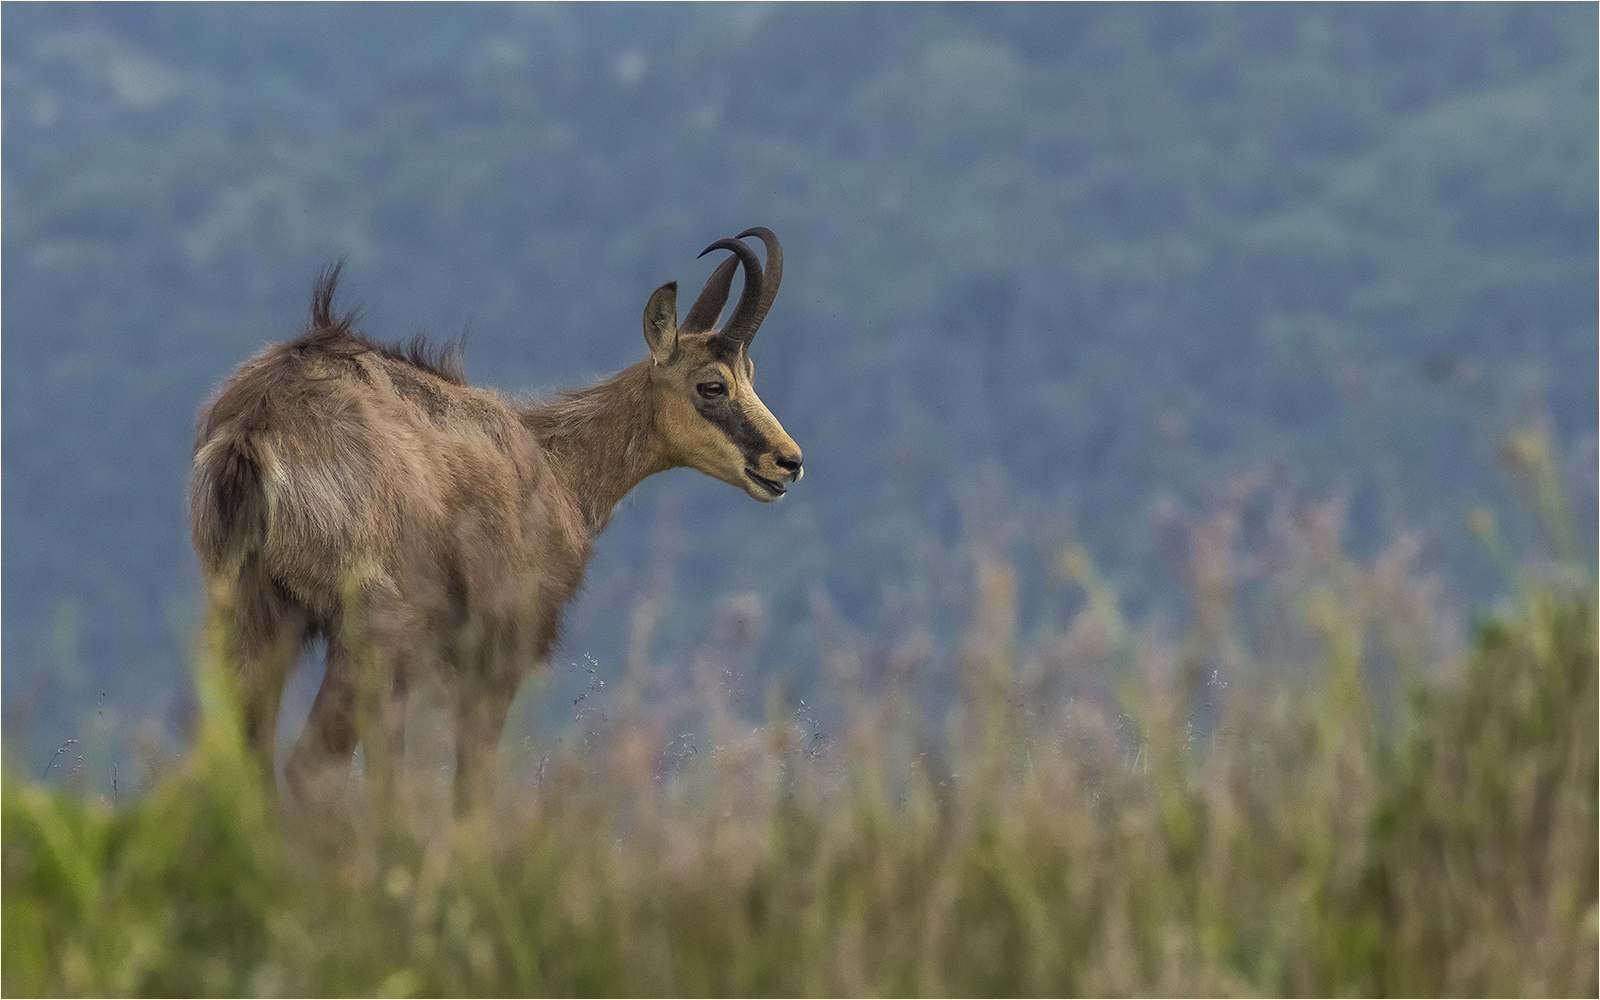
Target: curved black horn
{"x": 742, "y": 326}
{"x": 773, "y": 276}
{"x": 703, "y": 314}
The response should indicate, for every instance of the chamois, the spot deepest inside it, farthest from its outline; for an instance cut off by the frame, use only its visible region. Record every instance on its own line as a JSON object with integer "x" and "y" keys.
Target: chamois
{"x": 367, "y": 495}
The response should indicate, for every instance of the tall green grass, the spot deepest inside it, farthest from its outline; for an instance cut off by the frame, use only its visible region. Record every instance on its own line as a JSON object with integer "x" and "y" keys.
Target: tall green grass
{"x": 1320, "y": 786}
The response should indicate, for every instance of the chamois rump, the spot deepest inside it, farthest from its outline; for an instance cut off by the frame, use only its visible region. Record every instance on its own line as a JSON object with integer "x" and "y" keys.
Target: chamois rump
{"x": 367, "y": 495}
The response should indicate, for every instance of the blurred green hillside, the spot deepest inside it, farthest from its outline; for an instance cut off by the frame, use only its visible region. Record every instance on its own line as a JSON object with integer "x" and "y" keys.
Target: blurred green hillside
{"x": 1051, "y": 271}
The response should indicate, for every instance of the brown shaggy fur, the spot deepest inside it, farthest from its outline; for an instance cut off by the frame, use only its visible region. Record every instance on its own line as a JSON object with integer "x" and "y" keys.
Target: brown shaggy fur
{"x": 368, "y": 495}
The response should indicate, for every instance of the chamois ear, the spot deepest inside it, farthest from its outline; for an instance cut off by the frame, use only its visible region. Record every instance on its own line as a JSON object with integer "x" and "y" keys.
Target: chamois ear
{"x": 661, "y": 322}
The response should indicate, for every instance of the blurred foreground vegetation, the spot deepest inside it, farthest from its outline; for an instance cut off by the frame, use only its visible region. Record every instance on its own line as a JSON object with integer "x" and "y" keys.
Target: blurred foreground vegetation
{"x": 1316, "y": 788}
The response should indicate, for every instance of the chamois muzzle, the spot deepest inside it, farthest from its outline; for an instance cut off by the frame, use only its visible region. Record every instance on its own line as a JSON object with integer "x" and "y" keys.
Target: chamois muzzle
{"x": 792, "y": 471}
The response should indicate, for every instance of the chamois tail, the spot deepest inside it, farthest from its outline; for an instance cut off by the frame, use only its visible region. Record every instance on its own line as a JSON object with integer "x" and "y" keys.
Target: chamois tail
{"x": 228, "y": 500}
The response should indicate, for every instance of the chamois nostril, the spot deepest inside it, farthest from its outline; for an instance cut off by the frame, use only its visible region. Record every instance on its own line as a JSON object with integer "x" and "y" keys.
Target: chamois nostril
{"x": 788, "y": 464}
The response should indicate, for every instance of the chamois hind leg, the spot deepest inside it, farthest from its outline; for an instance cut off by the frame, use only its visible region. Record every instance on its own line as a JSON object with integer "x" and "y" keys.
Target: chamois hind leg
{"x": 261, "y": 632}
{"x": 322, "y": 754}
{"x": 480, "y": 716}
{"x": 395, "y": 628}
{"x": 385, "y": 740}
{"x": 361, "y": 700}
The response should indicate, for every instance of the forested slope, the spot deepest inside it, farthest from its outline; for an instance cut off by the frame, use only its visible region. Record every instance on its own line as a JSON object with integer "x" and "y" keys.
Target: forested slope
{"x": 1050, "y": 269}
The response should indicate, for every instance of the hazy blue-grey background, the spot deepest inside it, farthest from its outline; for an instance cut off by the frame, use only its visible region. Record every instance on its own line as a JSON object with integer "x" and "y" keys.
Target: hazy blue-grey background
{"x": 1048, "y": 268}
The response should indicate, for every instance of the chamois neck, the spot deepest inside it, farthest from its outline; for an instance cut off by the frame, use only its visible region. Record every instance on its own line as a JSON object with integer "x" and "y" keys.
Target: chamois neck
{"x": 602, "y": 439}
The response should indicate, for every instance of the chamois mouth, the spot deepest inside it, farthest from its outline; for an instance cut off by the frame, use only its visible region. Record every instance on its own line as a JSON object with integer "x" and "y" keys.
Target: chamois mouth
{"x": 775, "y": 488}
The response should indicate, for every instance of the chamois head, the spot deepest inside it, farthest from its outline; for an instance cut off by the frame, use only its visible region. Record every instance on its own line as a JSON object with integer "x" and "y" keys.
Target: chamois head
{"x": 708, "y": 413}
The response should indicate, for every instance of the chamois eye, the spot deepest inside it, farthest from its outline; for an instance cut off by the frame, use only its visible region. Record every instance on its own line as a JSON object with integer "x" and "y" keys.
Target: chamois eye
{"x": 711, "y": 390}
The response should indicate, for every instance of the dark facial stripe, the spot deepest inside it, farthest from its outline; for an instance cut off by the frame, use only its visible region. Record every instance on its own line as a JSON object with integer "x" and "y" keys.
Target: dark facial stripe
{"x": 737, "y": 426}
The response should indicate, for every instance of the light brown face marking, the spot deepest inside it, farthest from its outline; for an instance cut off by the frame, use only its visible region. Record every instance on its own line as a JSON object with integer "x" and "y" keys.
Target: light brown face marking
{"x": 731, "y": 435}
